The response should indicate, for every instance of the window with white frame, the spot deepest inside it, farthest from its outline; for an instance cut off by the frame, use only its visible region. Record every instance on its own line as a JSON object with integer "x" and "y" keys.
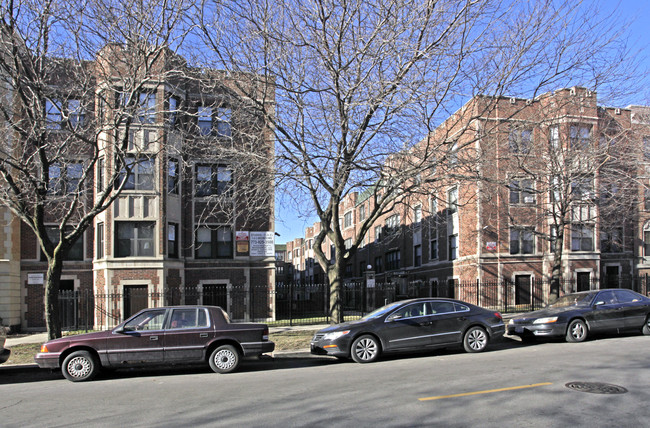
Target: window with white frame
{"x": 646, "y": 244}
{"x": 582, "y": 237}
{"x": 452, "y": 200}
{"x": 99, "y": 241}
{"x": 173, "y": 175}
{"x": 580, "y": 136}
{"x": 520, "y": 140}
{"x": 213, "y": 242}
{"x": 417, "y": 215}
{"x": 392, "y": 222}
{"x": 204, "y": 120}
{"x": 348, "y": 243}
{"x": 147, "y": 107}
{"x": 347, "y": 219}
{"x": 137, "y": 173}
{"x": 362, "y": 212}
{"x": 223, "y": 122}
{"x": 521, "y": 191}
{"x": 522, "y": 240}
{"x": 554, "y": 137}
{"x": 377, "y": 233}
{"x": 212, "y": 180}
{"x": 172, "y": 240}
{"x": 453, "y": 246}
{"x": 134, "y": 238}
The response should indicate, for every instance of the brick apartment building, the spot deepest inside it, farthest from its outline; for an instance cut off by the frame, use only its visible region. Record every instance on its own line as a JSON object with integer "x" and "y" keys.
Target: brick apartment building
{"x": 180, "y": 224}
{"x": 500, "y": 228}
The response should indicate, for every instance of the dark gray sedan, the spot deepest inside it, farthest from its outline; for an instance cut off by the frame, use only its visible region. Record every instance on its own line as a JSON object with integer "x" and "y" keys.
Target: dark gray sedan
{"x": 410, "y": 325}
{"x": 159, "y": 336}
{"x": 575, "y": 316}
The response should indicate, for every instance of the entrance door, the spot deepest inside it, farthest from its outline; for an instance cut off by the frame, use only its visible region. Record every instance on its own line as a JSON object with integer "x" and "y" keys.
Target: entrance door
{"x": 141, "y": 341}
{"x": 611, "y": 276}
{"x": 522, "y": 289}
{"x": 135, "y": 299}
{"x": 583, "y": 281}
{"x": 67, "y": 304}
{"x": 216, "y": 295}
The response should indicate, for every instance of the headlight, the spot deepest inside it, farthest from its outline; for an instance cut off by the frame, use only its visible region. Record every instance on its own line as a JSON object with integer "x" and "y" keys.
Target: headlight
{"x": 545, "y": 320}
{"x": 512, "y": 321}
{"x": 335, "y": 335}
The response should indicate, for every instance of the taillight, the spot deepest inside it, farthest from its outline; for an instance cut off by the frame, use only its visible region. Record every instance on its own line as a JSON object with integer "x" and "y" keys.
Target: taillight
{"x": 498, "y": 315}
{"x": 44, "y": 348}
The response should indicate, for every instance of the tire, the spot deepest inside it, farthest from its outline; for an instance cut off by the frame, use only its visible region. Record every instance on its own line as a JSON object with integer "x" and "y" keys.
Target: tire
{"x": 224, "y": 359}
{"x": 365, "y": 349}
{"x": 646, "y": 327}
{"x": 80, "y": 366}
{"x": 577, "y": 331}
{"x": 475, "y": 339}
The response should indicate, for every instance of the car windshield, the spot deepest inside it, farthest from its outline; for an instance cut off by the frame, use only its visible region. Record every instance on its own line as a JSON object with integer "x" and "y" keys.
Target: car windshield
{"x": 381, "y": 311}
{"x": 578, "y": 299}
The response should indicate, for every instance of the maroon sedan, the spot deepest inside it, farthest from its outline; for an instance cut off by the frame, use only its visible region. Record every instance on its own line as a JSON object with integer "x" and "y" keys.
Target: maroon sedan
{"x": 159, "y": 336}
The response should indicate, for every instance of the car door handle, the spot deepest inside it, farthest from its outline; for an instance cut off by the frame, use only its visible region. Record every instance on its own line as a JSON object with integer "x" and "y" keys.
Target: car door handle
{"x": 203, "y": 335}
{"x": 153, "y": 338}
{"x": 462, "y": 318}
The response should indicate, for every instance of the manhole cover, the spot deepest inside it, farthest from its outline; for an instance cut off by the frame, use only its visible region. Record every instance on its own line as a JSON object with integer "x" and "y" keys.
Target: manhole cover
{"x": 596, "y": 387}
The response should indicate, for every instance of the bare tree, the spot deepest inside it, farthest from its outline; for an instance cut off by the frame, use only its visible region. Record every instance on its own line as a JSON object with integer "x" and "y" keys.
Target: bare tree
{"x": 80, "y": 75}
{"x": 358, "y": 83}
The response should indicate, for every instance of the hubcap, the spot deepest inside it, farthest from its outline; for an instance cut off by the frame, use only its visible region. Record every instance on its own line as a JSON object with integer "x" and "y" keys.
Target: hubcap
{"x": 577, "y": 331}
{"x": 477, "y": 340}
{"x": 79, "y": 367}
{"x": 366, "y": 349}
{"x": 224, "y": 359}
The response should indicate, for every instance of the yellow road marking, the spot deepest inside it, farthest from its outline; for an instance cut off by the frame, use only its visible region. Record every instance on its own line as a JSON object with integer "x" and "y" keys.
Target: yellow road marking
{"x": 485, "y": 392}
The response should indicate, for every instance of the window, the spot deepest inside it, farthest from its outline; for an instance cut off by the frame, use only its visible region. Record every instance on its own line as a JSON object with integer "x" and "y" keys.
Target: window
{"x": 64, "y": 179}
{"x": 554, "y": 137}
{"x": 149, "y": 320}
{"x": 172, "y": 115}
{"x": 189, "y": 318}
{"x": 417, "y": 255}
{"x": 147, "y": 107}
{"x": 53, "y": 114}
{"x": 362, "y": 212}
{"x": 138, "y": 173}
{"x": 646, "y": 199}
{"x": 453, "y": 154}
{"x": 392, "y": 260}
{"x": 392, "y": 222}
{"x": 582, "y": 188}
{"x": 223, "y": 122}
{"x": 205, "y": 120}
{"x": 646, "y": 245}
{"x": 76, "y": 116}
{"x": 213, "y": 242}
{"x": 522, "y": 241}
{"x": 100, "y": 241}
{"x": 213, "y": 180}
{"x": 434, "y": 249}
{"x": 379, "y": 267}
{"x": 100, "y": 174}
{"x": 453, "y": 247}
{"x": 520, "y": 140}
{"x": 582, "y": 237}
{"x": 172, "y": 176}
{"x": 521, "y": 192}
{"x": 348, "y": 270}
{"x": 134, "y": 238}
{"x": 452, "y": 200}
{"x": 417, "y": 215}
{"x": 348, "y": 243}
{"x": 172, "y": 240}
{"x": 611, "y": 241}
{"x": 580, "y": 136}
{"x": 76, "y": 252}
{"x": 553, "y": 238}
{"x": 377, "y": 233}
{"x": 347, "y": 219}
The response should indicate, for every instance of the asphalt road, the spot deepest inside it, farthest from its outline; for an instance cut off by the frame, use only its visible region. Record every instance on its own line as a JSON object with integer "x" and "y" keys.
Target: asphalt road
{"x": 510, "y": 385}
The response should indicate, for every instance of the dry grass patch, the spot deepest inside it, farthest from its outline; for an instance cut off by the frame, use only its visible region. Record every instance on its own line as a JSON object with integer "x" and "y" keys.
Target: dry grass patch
{"x": 291, "y": 340}
{"x": 23, "y": 354}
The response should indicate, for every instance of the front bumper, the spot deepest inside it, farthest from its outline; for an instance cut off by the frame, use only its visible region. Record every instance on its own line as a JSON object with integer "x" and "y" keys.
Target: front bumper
{"x": 47, "y": 360}
{"x": 4, "y": 355}
{"x": 541, "y": 330}
{"x": 335, "y": 348}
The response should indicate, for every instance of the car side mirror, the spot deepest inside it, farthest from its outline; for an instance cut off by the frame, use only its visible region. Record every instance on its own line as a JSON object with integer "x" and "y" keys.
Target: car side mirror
{"x": 599, "y": 303}
{"x": 395, "y": 317}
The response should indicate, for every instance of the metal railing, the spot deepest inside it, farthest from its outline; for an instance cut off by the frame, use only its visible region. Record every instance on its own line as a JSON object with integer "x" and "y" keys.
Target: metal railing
{"x": 303, "y": 304}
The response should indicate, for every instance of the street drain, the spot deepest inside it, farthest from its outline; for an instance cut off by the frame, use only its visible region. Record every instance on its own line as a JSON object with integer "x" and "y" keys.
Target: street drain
{"x": 596, "y": 387}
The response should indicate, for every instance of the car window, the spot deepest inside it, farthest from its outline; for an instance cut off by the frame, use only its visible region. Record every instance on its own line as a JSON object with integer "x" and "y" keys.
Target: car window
{"x": 441, "y": 307}
{"x": 461, "y": 308}
{"x": 626, "y": 296}
{"x": 149, "y": 320}
{"x": 606, "y": 298}
{"x": 188, "y": 318}
{"x": 409, "y": 311}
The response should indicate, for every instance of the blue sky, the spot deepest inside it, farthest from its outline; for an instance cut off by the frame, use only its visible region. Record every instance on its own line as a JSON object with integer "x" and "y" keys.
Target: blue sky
{"x": 637, "y": 12}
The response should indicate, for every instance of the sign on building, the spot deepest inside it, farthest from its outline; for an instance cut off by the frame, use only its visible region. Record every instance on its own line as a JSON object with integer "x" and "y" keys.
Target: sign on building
{"x": 262, "y": 244}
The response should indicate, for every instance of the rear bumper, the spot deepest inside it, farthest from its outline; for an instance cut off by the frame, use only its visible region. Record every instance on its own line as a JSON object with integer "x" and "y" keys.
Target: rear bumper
{"x": 47, "y": 360}
{"x": 257, "y": 348}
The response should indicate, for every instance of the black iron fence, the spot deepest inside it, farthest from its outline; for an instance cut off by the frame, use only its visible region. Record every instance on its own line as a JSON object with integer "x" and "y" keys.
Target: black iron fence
{"x": 296, "y": 304}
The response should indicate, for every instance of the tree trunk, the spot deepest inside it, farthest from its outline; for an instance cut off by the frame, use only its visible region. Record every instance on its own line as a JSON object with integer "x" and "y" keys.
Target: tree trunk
{"x": 336, "y": 290}
{"x": 52, "y": 281}
{"x": 556, "y": 272}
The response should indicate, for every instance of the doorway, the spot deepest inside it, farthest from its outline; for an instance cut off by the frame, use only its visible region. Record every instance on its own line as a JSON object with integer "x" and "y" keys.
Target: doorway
{"x": 611, "y": 276}
{"x": 583, "y": 281}
{"x": 135, "y": 299}
{"x": 522, "y": 289}
{"x": 216, "y": 295}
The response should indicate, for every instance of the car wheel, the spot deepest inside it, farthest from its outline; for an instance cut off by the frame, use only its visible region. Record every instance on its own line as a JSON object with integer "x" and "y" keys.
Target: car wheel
{"x": 80, "y": 366}
{"x": 365, "y": 349}
{"x": 475, "y": 340}
{"x": 577, "y": 331}
{"x": 224, "y": 359}
{"x": 646, "y": 327}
